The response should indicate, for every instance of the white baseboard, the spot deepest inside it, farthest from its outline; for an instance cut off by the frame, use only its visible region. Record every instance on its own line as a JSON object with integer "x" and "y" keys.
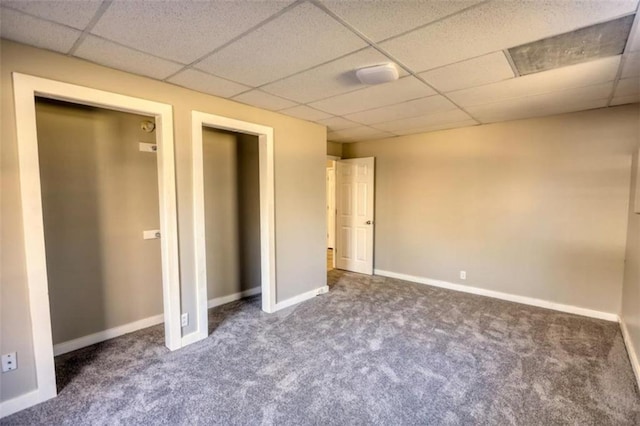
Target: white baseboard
{"x": 631, "y": 350}
{"x": 301, "y": 297}
{"x": 503, "y": 296}
{"x": 101, "y": 336}
{"x": 20, "y": 403}
{"x": 218, "y": 301}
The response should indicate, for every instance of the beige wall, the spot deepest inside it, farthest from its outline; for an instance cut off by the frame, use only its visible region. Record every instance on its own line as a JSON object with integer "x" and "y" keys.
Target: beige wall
{"x": 99, "y": 192}
{"x": 300, "y": 154}
{"x": 536, "y": 208}
{"x": 232, "y": 212}
{"x": 334, "y": 148}
{"x": 631, "y": 289}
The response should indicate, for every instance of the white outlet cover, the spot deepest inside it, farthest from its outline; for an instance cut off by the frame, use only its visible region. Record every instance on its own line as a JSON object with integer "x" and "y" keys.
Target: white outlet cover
{"x": 9, "y": 362}
{"x": 184, "y": 319}
{"x": 463, "y": 275}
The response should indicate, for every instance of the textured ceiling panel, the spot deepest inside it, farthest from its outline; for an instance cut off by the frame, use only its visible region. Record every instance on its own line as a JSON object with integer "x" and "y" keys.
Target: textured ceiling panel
{"x": 623, "y": 100}
{"x": 22, "y": 28}
{"x": 264, "y": 100}
{"x": 423, "y": 106}
{"x": 435, "y": 119}
{"x": 306, "y": 113}
{"x": 76, "y": 14}
{"x": 328, "y": 80}
{"x": 498, "y": 25}
{"x": 631, "y": 67}
{"x": 206, "y": 83}
{"x": 299, "y": 39}
{"x": 181, "y": 30}
{"x": 338, "y": 123}
{"x": 381, "y": 19}
{"x": 358, "y": 133}
{"x": 628, "y": 87}
{"x": 633, "y": 44}
{"x": 588, "y": 73}
{"x": 435, "y": 127}
{"x": 405, "y": 89}
{"x": 586, "y": 44}
{"x": 473, "y": 72}
{"x": 544, "y": 104}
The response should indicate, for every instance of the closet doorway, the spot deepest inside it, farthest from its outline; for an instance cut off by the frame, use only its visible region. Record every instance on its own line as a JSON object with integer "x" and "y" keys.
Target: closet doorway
{"x": 240, "y": 251}
{"x": 51, "y": 95}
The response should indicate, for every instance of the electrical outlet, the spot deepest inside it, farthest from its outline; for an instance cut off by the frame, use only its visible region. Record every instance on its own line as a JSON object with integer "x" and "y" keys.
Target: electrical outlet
{"x": 184, "y": 319}
{"x": 463, "y": 275}
{"x": 9, "y": 362}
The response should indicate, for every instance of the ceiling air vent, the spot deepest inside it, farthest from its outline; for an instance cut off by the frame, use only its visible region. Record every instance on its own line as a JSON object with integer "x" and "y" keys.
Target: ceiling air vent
{"x": 585, "y": 44}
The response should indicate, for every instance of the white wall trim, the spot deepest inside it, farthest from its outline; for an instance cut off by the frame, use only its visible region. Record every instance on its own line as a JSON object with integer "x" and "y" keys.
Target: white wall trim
{"x": 631, "y": 350}
{"x": 302, "y": 297}
{"x": 21, "y": 402}
{"x": 503, "y": 296}
{"x": 267, "y": 211}
{"x": 101, "y": 336}
{"x": 223, "y": 300}
{"x": 25, "y": 89}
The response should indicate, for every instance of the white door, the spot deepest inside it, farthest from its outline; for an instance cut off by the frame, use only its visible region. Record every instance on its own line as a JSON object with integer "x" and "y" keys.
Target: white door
{"x": 354, "y": 204}
{"x": 331, "y": 207}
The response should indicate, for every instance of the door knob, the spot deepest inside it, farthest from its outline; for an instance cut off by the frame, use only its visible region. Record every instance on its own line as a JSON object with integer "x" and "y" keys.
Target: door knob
{"x": 369, "y": 222}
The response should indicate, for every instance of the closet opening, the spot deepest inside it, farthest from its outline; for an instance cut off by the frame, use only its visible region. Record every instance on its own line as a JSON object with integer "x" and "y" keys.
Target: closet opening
{"x": 98, "y": 205}
{"x": 234, "y": 222}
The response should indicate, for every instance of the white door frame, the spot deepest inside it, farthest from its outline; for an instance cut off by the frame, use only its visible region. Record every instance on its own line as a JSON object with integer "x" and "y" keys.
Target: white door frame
{"x": 26, "y": 88}
{"x": 267, "y": 213}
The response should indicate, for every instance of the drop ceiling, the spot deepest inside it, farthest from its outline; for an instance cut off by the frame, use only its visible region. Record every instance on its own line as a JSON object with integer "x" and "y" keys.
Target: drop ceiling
{"x": 299, "y": 57}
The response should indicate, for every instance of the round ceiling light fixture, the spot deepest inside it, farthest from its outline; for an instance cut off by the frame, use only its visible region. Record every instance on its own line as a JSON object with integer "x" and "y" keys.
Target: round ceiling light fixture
{"x": 378, "y": 74}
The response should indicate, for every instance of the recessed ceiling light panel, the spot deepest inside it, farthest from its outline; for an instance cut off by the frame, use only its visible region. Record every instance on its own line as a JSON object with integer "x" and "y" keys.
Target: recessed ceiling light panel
{"x": 378, "y": 74}
{"x": 586, "y": 44}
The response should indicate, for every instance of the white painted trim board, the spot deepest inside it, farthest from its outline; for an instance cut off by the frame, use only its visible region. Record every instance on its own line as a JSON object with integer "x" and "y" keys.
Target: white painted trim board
{"x": 608, "y": 316}
{"x": 21, "y": 402}
{"x": 101, "y": 336}
{"x": 631, "y": 350}
{"x": 267, "y": 212}
{"x": 302, "y": 297}
{"x": 25, "y": 89}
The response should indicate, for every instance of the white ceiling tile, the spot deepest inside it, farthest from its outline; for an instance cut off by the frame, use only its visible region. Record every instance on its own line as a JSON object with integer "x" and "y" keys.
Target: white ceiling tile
{"x": 299, "y": 39}
{"x": 25, "y": 29}
{"x": 207, "y": 83}
{"x": 633, "y": 43}
{"x": 623, "y": 100}
{"x": 113, "y": 55}
{"x": 422, "y": 121}
{"x": 181, "y": 30}
{"x": 545, "y": 104}
{"x": 631, "y": 66}
{"x": 357, "y": 133}
{"x": 405, "y": 89}
{"x": 423, "y": 106}
{"x": 381, "y": 19}
{"x": 338, "y": 123}
{"x": 434, "y": 127}
{"x": 327, "y": 80}
{"x": 586, "y": 74}
{"x": 264, "y": 100}
{"x": 306, "y": 113}
{"x": 498, "y": 25}
{"x": 473, "y": 72}
{"x": 627, "y": 87}
{"x": 76, "y": 14}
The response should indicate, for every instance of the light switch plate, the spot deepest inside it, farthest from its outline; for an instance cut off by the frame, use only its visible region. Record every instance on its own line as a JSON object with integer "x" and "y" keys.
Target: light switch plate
{"x": 151, "y": 234}
{"x": 148, "y": 147}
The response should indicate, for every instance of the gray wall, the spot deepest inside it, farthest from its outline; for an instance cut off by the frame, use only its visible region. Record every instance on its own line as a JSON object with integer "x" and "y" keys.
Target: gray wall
{"x": 334, "y": 148}
{"x": 99, "y": 192}
{"x": 535, "y": 208}
{"x": 300, "y": 154}
{"x": 631, "y": 289}
{"x": 232, "y": 212}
